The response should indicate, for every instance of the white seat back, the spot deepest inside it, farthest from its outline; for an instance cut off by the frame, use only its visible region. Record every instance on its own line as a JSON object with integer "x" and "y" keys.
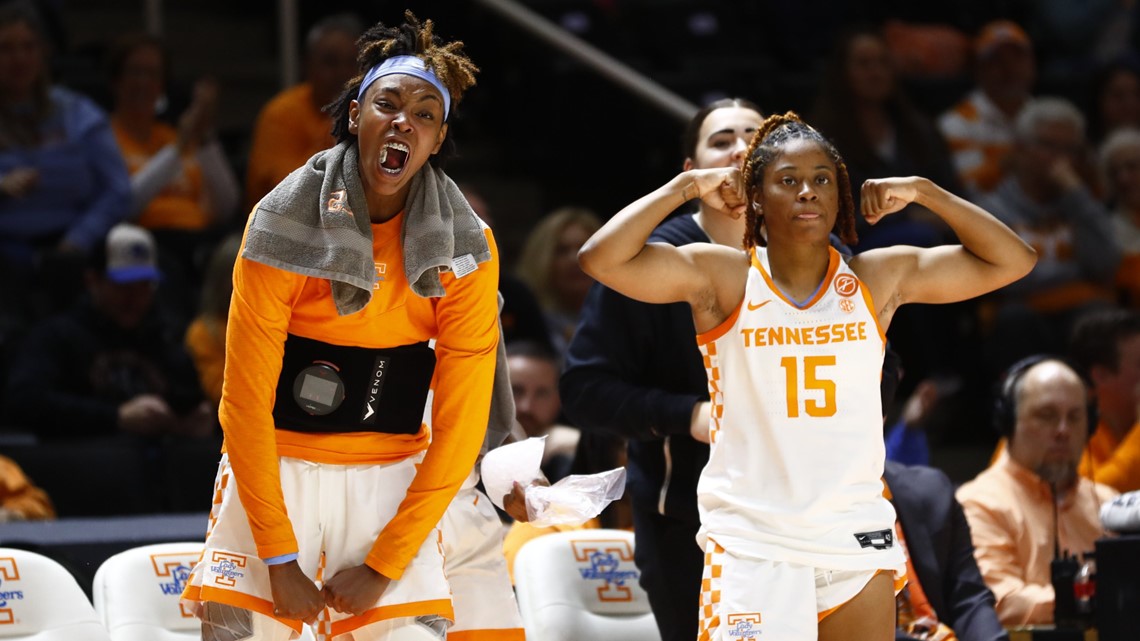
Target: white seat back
{"x": 582, "y": 585}
{"x": 41, "y": 601}
{"x": 137, "y": 593}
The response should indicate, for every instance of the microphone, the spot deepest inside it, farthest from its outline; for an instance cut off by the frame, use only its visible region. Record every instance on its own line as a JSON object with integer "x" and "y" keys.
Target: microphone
{"x": 1062, "y": 570}
{"x": 1056, "y": 521}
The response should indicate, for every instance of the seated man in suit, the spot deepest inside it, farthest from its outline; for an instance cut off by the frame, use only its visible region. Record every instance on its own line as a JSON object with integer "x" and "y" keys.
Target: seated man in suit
{"x": 945, "y": 597}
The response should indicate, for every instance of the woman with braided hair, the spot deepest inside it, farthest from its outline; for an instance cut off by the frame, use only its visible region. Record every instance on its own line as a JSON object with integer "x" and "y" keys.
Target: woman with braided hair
{"x": 328, "y": 494}
{"x": 798, "y": 537}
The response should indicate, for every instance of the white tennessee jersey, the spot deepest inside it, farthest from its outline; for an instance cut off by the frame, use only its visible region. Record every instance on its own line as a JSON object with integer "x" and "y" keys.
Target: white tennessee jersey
{"x": 795, "y": 471}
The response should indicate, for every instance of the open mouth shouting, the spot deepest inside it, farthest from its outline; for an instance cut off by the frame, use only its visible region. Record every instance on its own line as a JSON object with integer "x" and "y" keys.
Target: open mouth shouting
{"x": 393, "y": 157}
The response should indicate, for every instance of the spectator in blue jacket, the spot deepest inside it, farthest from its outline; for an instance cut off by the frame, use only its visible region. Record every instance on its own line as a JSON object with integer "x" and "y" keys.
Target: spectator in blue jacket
{"x": 63, "y": 184}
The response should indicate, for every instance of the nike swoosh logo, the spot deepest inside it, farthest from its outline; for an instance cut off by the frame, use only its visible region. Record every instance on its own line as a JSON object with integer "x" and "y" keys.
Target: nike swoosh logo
{"x": 753, "y": 308}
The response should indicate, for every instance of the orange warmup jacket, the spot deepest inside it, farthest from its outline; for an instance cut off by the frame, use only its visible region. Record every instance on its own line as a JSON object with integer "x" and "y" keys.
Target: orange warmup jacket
{"x": 269, "y": 303}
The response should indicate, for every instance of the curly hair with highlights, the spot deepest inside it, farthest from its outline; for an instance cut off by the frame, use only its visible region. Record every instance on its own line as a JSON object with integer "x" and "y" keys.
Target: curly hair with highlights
{"x": 412, "y": 38}
{"x": 767, "y": 143}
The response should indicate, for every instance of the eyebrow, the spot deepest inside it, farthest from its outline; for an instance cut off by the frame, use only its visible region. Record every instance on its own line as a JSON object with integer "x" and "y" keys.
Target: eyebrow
{"x": 817, "y": 167}
{"x": 730, "y": 131}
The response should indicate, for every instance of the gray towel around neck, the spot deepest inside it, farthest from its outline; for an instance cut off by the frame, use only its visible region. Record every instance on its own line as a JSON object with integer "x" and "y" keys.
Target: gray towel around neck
{"x": 502, "y": 414}
{"x": 316, "y": 223}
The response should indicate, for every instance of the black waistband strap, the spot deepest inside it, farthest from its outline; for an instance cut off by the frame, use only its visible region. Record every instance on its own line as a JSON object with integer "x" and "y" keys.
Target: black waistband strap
{"x": 337, "y": 388}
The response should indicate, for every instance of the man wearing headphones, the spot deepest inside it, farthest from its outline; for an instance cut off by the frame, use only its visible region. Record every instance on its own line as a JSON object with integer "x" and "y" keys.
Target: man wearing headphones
{"x": 1031, "y": 503}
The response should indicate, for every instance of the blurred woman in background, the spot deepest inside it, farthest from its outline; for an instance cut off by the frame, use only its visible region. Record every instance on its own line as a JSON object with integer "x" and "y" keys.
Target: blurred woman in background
{"x": 549, "y": 265}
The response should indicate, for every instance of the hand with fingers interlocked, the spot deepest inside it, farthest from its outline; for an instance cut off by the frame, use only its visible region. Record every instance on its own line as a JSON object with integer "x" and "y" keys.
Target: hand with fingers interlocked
{"x": 355, "y": 590}
{"x": 295, "y": 596}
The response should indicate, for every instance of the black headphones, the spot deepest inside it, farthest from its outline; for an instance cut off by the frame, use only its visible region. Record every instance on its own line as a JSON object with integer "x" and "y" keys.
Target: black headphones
{"x": 1005, "y": 402}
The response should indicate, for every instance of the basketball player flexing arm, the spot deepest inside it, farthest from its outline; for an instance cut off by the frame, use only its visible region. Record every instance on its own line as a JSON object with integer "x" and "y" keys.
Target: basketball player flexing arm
{"x": 793, "y": 338}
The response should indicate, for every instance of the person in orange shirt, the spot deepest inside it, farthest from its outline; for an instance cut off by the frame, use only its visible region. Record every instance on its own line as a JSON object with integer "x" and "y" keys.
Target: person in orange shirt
{"x": 979, "y": 129}
{"x": 365, "y": 280}
{"x": 1105, "y": 345}
{"x": 292, "y": 126}
{"x": 1032, "y": 503}
{"x": 182, "y": 187}
{"x": 180, "y": 178}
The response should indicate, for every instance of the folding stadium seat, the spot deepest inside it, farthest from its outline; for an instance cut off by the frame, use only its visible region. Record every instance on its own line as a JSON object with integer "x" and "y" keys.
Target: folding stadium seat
{"x": 137, "y": 593}
{"x": 41, "y": 601}
{"x": 582, "y": 585}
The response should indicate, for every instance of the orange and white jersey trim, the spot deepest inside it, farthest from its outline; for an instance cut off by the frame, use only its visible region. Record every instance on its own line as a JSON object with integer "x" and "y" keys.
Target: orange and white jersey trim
{"x": 797, "y": 455}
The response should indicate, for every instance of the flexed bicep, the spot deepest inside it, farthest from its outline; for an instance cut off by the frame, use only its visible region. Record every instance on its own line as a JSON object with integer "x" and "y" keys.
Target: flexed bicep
{"x": 618, "y": 256}
{"x": 944, "y": 274}
{"x": 989, "y": 257}
{"x": 659, "y": 273}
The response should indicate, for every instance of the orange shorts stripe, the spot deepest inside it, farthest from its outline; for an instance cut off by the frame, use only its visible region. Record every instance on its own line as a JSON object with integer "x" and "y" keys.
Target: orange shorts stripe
{"x": 515, "y": 634}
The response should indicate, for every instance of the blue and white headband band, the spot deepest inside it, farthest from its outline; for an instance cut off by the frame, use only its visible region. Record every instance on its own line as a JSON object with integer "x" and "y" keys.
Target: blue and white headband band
{"x": 409, "y": 65}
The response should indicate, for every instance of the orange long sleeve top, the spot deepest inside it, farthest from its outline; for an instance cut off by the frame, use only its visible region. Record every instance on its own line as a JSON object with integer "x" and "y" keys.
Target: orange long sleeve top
{"x": 1116, "y": 463}
{"x": 179, "y": 204}
{"x": 269, "y": 303}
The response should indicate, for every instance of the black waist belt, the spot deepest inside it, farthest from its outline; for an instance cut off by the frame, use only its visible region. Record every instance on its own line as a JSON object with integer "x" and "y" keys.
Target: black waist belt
{"x": 334, "y": 388}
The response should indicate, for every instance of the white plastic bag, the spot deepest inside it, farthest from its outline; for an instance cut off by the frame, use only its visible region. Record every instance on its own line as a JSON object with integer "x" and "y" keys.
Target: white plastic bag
{"x": 575, "y": 499}
{"x": 571, "y": 501}
{"x": 516, "y": 462}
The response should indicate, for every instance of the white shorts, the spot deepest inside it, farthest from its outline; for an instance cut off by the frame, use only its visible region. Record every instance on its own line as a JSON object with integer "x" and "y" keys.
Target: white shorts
{"x": 481, "y": 592}
{"x": 745, "y": 599}
{"x": 337, "y": 512}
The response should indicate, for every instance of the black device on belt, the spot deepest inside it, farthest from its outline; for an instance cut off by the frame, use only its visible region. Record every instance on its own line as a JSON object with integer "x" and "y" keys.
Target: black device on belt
{"x": 338, "y": 388}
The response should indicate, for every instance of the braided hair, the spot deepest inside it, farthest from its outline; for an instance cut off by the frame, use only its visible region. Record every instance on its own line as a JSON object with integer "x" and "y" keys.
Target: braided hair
{"x": 412, "y": 38}
{"x": 767, "y": 143}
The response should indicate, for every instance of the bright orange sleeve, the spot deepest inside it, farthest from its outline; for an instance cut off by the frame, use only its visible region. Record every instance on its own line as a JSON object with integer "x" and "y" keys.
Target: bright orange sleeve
{"x": 467, "y": 317}
{"x": 255, "y": 342}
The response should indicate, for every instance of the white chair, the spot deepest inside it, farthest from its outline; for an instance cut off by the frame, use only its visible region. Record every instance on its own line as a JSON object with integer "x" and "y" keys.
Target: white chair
{"x": 137, "y": 593}
{"x": 582, "y": 585}
{"x": 41, "y": 601}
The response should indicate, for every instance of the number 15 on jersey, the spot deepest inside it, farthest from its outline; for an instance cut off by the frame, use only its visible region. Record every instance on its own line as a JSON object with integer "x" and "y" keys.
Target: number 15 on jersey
{"x": 813, "y": 405}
